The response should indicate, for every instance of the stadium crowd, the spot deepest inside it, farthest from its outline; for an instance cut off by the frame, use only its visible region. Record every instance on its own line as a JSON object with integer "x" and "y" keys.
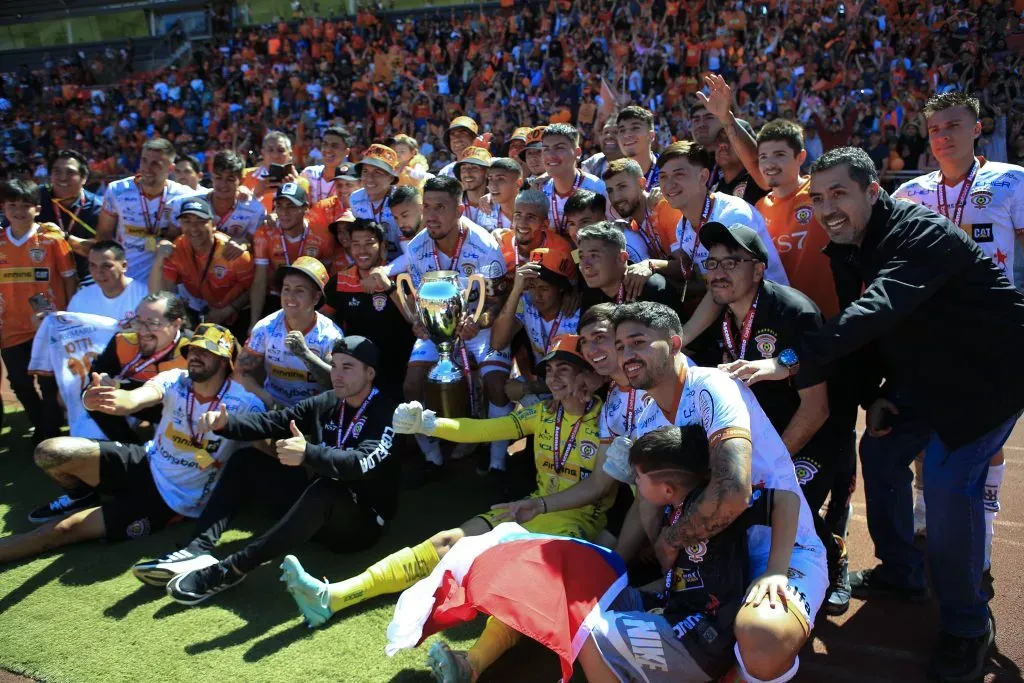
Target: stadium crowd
{"x": 686, "y": 275}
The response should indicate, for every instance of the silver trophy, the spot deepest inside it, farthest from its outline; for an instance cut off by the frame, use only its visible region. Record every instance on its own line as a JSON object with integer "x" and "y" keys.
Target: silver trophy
{"x": 439, "y": 305}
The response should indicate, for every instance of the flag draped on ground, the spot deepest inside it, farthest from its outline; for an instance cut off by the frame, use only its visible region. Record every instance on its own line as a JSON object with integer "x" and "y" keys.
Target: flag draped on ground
{"x": 548, "y": 588}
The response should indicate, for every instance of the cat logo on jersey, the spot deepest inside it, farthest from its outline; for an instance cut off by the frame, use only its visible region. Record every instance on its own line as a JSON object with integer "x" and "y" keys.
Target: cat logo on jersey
{"x": 803, "y": 215}
{"x": 697, "y": 552}
{"x": 805, "y": 470}
{"x": 379, "y": 302}
{"x": 981, "y": 198}
{"x": 310, "y": 251}
{"x": 766, "y": 343}
{"x": 219, "y": 272}
{"x": 468, "y": 269}
{"x": 588, "y": 449}
{"x": 37, "y": 255}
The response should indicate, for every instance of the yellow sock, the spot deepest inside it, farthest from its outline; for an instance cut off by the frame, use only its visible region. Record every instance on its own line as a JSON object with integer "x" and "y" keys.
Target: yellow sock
{"x": 496, "y": 640}
{"x": 393, "y": 574}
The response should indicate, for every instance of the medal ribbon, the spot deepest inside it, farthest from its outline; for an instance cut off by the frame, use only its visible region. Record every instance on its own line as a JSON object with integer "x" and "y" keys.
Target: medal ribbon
{"x": 59, "y": 207}
{"x": 137, "y": 365}
{"x": 554, "y": 330}
{"x": 144, "y": 206}
{"x": 630, "y": 417}
{"x": 197, "y": 439}
{"x": 454, "y": 263}
{"x": 560, "y": 220}
{"x": 342, "y": 440}
{"x": 672, "y": 570}
{"x": 302, "y": 245}
{"x": 961, "y": 200}
{"x": 745, "y": 332}
{"x": 688, "y": 269}
{"x": 562, "y": 454}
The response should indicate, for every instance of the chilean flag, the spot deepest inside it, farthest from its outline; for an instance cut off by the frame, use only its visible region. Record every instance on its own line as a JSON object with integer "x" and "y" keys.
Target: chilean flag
{"x": 548, "y": 588}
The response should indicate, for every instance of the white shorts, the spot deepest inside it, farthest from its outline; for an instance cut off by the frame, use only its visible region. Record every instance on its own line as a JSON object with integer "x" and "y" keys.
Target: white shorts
{"x": 808, "y": 578}
{"x": 479, "y": 348}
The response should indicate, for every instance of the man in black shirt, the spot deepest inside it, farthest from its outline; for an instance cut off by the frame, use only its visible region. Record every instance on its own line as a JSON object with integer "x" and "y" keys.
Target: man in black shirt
{"x": 761, "y": 319}
{"x": 353, "y": 494}
{"x": 66, "y": 203}
{"x": 602, "y": 262}
{"x": 733, "y": 177}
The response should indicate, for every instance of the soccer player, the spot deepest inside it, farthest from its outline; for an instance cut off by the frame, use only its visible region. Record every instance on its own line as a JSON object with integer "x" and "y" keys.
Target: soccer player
{"x": 635, "y": 135}
{"x": 188, "y": 172}
{"x": 37, "y": 276}
{"x": 376, "y": 171}
{"x": 235, "y": 212}
{"x": 530, "y": 230}
{"x": 215, "y": 287}
{"x": 276, "y": 151}
{"x": 584, "y": 208}
{"x": 603, "y": 258}
{"x": 286, "y": 358}
{"x": 322, "y": 177}
{"x": 462, "y": 132}
{"x": 504, "y": 181}
{"x": 280, "y": 244}
{"x": 136, "y": 209}
{"x": 335, "y": 206}
{"x": 149, "y": 486}
{"x": 596, "y": 164}
{"x": 115, "y": 295}
{"x": 65, "y": 202}
{"x": 561, "y": 152}
{"x": 745, "y": 449}
{"x": 471, "y": 172}
{"x": 651, "y": 232}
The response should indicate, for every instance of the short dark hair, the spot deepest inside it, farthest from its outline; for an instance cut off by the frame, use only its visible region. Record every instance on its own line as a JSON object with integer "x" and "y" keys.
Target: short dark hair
{"x": 684, "y": 449}
{"x": 337, "y": 131}
{"x": 694, "y": 152}
{"x": 606, "y": 232}
{"x": 565, "y": 130}
{"x": 649, "y": 314}
{"x": 162, "y": 145}
{"x": 75, "y": 155}
{"x": 401, "y": 194}
{"x": 623, "y": 165}
{"x": 858, "y": 163}
{"x": 506, "y": 164}
{"x": 636, "y": 113}
{"x": 598, "y": 313}
{"x": 366, "y": 225}
{"x": 18, "y": 190}
{"x": 176, "y": 309}
{"x": 781, "y": 130}
{"x": 443, "y": 183}
{"x": 585, "y": 200}
{"x": 190, "y": 160}
{"x": 950, "y": 100}
{"x": 226, "y": 161}
{"x": 109, "y": 245}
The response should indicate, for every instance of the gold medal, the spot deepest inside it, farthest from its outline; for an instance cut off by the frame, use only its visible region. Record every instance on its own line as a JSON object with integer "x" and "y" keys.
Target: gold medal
{"x": 203, "y": 459}
{"x": 151, "y": 244}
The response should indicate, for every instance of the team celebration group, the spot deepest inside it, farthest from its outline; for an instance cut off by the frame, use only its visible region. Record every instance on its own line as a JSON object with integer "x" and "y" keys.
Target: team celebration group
{"x": 683, "y": 334}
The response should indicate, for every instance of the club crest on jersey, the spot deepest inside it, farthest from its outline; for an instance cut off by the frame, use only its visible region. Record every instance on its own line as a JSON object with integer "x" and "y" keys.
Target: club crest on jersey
{"x": 588, "y": 449}
{"x": 139, "y": 527}
{"x": 467, "y": 268}
{"x": 805, "y": 470}
{"x": 219, "y": 272}
{"x": 358, "y": 427}
{"x": 803, "y": 215}
{"x": 310, "y": 251}
{"x": 37, "y": 255}
{"x": 696, "y": 552}
{"x": 379, "y": 302}
{"x": 981, "y": 198}
{"x": 766, "y": 344}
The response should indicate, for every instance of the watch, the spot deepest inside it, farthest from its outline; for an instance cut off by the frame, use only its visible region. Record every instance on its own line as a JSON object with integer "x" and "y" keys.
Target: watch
{"x": 789, "y": 360}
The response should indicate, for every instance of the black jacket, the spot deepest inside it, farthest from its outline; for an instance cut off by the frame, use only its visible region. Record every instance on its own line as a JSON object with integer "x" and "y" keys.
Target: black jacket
{"x": 946, "y": 322}
{"x": 366, "y": 465}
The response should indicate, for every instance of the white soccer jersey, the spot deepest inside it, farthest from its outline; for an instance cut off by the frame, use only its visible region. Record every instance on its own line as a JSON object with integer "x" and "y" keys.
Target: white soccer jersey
{"x": 319, "y": 187}
{"x": 185, "y": 471}
{"x": 727, "y": 210}
{"x": 288, "y": 380}
{"x": 141, "y": 222}
{"x": 448, "y": 170}
{"x": 620, "y": 412}
{"x": 65, "y": 346}
{"x": 121, "y": 307}
{"x": 363, "y": 207}
{"x": 480, "y": 254}
{"x": 241, "y": 224}
{"x": 636, "y": 248}
{"x": 542, "y": 332}
{"x": 993, "y": 212}
{"x": 724, "y": 407}
{"x": 556, "y": 202}
{"x": 484, "y": 219}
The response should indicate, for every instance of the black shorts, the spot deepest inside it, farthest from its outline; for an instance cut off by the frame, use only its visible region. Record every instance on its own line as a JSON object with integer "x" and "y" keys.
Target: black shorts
{"x": 136, "y": 507}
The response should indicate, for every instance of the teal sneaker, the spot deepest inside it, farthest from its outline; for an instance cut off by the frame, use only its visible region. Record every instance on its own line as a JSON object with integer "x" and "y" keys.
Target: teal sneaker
{"x": 449, "y": 666}
{"x": 311, "y": 595}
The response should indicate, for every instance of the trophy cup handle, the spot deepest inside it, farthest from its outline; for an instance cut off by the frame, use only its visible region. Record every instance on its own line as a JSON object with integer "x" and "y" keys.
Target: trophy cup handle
{"x": 403, "y": 281}
{"x": 482, "y": 284}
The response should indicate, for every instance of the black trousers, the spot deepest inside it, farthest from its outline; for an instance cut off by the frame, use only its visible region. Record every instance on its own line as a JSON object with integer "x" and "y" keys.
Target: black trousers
{"x": 42, "y": 406}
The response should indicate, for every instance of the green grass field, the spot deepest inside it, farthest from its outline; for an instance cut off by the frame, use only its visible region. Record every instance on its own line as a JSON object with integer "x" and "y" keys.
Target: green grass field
{"x": 78, "y": 615}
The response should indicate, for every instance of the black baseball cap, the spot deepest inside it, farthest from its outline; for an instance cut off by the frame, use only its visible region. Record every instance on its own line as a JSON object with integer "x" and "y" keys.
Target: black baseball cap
{"x": 196, "y": 207}
{"x": 360, "y": 348}
{"x": 345, "y": 171}
{"x": 294, "y": 192}
{"x": 736, "y": 235}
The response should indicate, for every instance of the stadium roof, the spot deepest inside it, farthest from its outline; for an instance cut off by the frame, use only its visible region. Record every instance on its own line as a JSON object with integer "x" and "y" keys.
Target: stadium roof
{"x": 38, "y": 10}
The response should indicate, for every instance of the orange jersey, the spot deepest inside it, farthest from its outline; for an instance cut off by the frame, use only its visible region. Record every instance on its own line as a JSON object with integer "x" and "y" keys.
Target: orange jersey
{"x": 251, "y": 177}
{"x": 272, "y": 249}
{"x": 513, "y": 258}
{"x": 664, "y": 220}
{"x": 216, "y": 281}
{"x": 33, "y": 266}
{"x": 325, "y": 212}
{"x": 799, "y": 239}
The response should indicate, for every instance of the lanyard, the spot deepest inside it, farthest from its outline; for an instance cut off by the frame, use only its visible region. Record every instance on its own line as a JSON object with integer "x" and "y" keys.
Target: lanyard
{"x": 562, "y": 454}
{"x": 342, "y": 440}
{"x": 554, "y": 329}
{"x": 620, "y": 297}
{"x": 197, "y": 439}
{"x": 464, "y": 356}
{"x": 206, "y": 268}
{"x": 453, "y": 264}
{"x": 302, "y": 245}
{"x": 688, "y": 268}
{"x": 630, "y": 417}
{"x": 58, "y": 208}
{"x": 653, "y": 174}
{"x": 560, "y": 219}
{"x": 648, "y": 235}
{"x": 151, "y": 221}
{"x": 746, "y": 329}
{"x": 222, "y": 221}
{"x": 961, "y": 201}
{"x": 670, "y": 574}
{"x": 378, "y": 211}
{"x": 137, "y": 365}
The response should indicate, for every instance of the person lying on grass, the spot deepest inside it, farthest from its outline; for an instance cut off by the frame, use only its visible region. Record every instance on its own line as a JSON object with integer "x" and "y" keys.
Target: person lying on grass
{"x": 566, "y": 451}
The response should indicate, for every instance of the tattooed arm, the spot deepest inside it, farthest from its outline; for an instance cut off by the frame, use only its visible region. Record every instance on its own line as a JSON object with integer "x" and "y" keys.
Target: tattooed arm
{"x": 725, "y": 498}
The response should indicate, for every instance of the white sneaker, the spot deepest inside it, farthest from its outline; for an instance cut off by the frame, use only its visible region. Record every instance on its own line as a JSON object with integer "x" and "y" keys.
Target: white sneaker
{"x": 161, "y": 570}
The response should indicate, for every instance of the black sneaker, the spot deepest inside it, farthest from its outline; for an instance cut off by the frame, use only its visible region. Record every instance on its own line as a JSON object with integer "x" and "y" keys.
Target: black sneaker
{"x": 865, "y": 583}
{"x": 192, "y": 588}
{"x": 62, "y": 507}
{"x": 838, "y": 600}
{"x": 962, "y": 660}
{"x": 161, "y": 570}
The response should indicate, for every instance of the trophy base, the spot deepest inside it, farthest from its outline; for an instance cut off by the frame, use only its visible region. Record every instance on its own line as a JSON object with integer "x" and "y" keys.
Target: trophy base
{"x": 448, "y": 399}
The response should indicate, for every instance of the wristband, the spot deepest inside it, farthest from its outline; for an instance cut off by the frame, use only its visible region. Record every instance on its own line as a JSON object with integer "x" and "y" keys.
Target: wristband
{"x": 545, "y": 503}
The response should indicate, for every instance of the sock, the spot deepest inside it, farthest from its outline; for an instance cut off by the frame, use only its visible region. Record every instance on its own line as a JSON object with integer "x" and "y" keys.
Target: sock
{"x": 431, "y": 448}
{"x": 499, "y": 449}
{"x": 920, "y": 511}
{"x": 393, "y": 574}
{"x": 993, "y": 482}
{"x": 751, "y": 679}
{"x": 496, "y": 640}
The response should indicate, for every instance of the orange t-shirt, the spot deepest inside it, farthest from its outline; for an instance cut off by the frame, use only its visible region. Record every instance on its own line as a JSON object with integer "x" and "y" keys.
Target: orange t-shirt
{"x": 551, "y": 239}
{"x": 325, "y": 212}
{"x": 665, "y": 220}
{"x": 35, "y": 266}
{"x": 799, "y": 239}
{"x": 269, "y": 243}
{"x": 217, "y": 282}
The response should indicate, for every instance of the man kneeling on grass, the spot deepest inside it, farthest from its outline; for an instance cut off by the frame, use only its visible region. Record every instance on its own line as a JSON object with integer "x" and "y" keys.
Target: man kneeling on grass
{"x": 566, "y": 452}
{"x": 147, "y": 486}
{"x": 684, "y": 634}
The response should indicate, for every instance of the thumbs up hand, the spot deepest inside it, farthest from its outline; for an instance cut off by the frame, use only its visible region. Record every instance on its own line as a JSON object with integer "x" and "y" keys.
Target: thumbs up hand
{"x": 292, "y": 451}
